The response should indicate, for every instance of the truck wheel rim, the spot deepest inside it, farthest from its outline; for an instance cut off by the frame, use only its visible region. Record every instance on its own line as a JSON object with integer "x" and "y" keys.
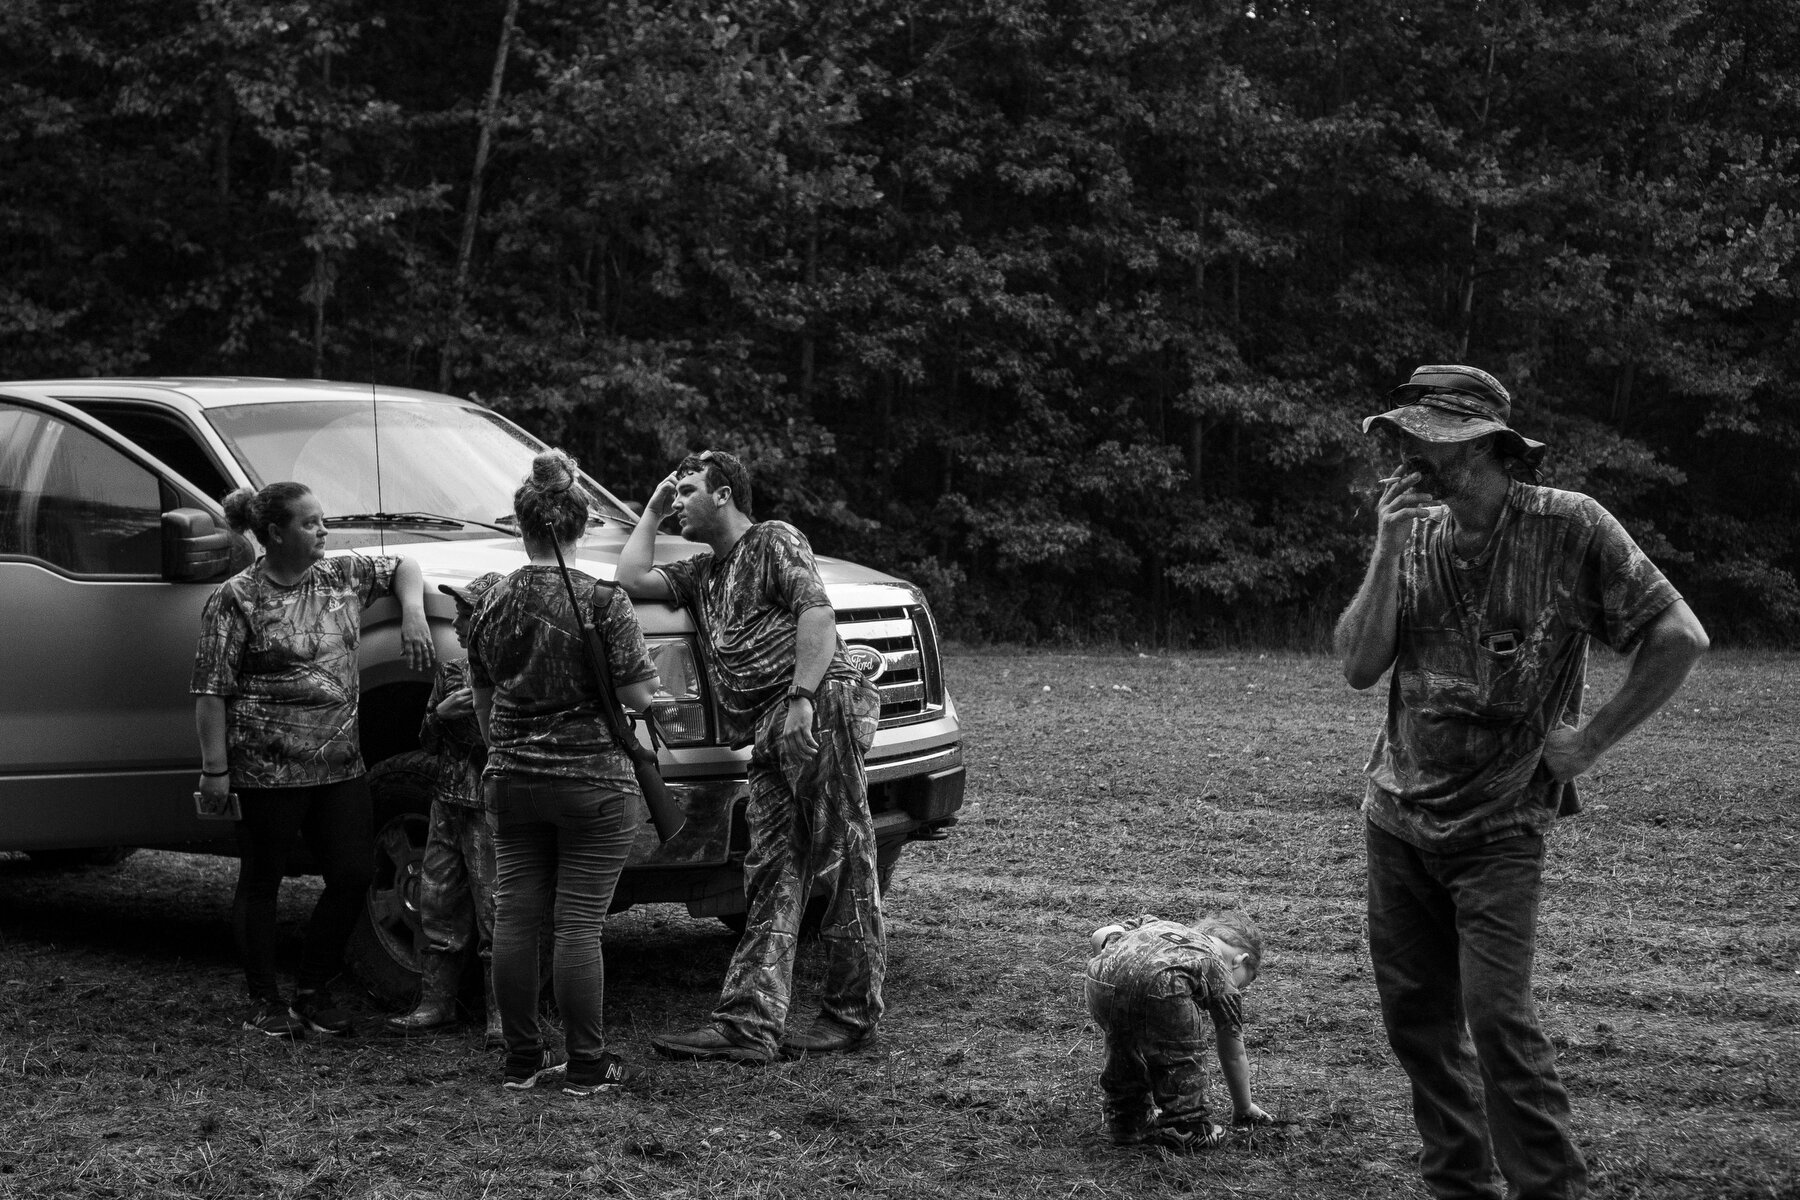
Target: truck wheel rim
{"x": 394, "y": 892}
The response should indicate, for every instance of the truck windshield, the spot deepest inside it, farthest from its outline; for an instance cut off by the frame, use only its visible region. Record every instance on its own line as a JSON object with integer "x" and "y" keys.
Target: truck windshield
{"x": 462, "y": 463}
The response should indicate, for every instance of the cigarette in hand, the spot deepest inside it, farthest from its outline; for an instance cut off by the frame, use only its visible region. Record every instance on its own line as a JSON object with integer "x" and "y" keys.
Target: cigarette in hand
{"x": 1391, "y": 479}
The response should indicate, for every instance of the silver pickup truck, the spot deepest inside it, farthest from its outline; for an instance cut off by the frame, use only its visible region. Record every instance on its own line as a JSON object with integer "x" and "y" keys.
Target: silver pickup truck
{"x": 111, "y": 539}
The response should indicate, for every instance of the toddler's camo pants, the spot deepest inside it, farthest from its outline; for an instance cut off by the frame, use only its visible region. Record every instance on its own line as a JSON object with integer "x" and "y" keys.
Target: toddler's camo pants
{"x": 456, "y": 881}
{"x": 1153, "y": 1076}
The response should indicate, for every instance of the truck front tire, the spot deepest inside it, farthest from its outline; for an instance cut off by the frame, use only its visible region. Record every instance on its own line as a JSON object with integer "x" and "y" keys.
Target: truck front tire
{"x": 384, "y": 949}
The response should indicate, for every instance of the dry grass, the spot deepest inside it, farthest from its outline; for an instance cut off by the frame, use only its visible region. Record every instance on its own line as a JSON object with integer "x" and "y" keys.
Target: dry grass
{"x": 1101, "y": 786}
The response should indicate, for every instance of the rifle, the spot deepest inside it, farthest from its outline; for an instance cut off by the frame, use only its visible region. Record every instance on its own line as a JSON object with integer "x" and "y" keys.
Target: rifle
{"x": 665, "y": 813}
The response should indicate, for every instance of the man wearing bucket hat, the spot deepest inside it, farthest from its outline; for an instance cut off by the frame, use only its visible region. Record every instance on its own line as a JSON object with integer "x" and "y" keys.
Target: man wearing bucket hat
{"x": 1481, "y": 594}
{"x": 456, "y": 878}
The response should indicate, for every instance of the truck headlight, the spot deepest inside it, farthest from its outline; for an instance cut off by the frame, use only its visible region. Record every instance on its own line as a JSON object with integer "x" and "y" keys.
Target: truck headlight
{"x": 679, "y": 703}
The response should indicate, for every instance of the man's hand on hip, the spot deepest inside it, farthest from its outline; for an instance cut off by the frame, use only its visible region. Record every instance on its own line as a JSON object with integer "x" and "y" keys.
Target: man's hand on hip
{"x": 1567, "y": 753}
{"x": 797, "y": 737}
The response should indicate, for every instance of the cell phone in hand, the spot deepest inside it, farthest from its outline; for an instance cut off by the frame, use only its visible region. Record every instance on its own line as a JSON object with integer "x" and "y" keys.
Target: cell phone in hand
{"x": 227, "y": 809}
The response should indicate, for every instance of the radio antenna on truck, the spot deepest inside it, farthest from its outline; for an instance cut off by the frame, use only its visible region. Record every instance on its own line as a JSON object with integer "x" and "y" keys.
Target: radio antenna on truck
{"x": 375, "y": 419}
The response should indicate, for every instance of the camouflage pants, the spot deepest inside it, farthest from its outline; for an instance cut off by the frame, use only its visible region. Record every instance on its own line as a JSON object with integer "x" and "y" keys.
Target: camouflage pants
{"x": 810, "y": 829}
{"x": 1155, "y": 1047}
{"x": 456, "y": 881}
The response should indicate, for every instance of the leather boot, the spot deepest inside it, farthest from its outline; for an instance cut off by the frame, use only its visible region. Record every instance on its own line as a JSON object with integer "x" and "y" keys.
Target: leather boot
{"x": 437, "y": 994}
{"x": 495, "y": 1035}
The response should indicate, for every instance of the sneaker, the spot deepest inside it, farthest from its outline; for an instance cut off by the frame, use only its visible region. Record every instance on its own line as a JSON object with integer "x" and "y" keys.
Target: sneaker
{"x": 1186, "y": 1136}
{"x": 272, "y": 1019}
{"x": 523, "y": 1076}
{"x": 314, "y": 1009}
{"x": 608, "y": 1073}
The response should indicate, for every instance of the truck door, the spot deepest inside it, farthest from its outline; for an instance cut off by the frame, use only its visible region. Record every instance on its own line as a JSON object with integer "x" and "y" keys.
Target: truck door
{"x": 97, "y": 742}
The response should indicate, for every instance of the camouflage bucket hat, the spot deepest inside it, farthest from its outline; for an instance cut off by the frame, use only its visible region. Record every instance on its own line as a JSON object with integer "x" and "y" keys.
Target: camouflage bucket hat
{"x": 1456, "y": 404}
{"x": 469, "y": 594}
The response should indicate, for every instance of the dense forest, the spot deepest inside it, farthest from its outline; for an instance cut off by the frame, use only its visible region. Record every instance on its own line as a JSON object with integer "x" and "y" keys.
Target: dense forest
{"x": 1065, "y": 309}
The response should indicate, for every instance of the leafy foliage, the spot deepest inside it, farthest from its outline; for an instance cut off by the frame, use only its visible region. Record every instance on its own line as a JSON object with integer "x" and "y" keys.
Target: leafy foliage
{"x": 1066, "y": 309}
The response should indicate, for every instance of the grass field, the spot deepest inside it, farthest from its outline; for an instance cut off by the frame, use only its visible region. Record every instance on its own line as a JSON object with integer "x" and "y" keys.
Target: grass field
{"x": 1100, "y": 786}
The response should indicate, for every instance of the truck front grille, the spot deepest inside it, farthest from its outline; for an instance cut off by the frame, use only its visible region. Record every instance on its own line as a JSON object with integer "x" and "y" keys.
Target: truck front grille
{"x": 904, "y": 644}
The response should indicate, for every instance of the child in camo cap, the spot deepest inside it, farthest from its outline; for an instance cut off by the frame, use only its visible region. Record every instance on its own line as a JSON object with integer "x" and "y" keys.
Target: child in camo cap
{"x": 1148, "y": 984}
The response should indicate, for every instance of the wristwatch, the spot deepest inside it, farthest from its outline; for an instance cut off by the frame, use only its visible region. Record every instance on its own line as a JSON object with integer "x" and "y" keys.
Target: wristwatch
{"x": 800, "y": 693}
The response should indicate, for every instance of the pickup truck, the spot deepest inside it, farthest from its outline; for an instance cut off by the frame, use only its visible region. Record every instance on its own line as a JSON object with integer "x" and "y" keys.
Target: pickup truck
{"x": 112, "y": 538}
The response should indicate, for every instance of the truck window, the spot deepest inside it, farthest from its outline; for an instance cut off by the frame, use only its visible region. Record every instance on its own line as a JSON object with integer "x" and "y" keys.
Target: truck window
{"x": 70, "y": 500}
{"x": 165, "y": 435}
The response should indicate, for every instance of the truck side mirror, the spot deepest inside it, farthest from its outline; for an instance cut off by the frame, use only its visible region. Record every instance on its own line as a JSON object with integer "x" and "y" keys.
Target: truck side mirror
{"x": 194, "y": 548}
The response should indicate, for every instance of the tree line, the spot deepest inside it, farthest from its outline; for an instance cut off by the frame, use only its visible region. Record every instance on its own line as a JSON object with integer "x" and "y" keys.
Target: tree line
{"x": 1065, "y": 309}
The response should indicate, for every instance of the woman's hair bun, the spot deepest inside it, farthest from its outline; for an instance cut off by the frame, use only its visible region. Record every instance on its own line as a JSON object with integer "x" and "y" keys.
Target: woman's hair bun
{"x": 238, "y": 504}
{"x": 553, "y": 471}
{"x": 552, "y": 503}
{"x": 252, "y": 512}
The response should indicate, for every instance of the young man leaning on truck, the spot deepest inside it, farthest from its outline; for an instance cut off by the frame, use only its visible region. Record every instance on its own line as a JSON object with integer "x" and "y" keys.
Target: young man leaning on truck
{"x": 769, "y": 638}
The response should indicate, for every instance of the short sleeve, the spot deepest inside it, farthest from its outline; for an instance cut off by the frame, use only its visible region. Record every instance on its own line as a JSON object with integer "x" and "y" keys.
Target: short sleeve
{"x": 1624, "y": 590}
{"x": 224, "y": 632}
{"x": 478, "y": 675}
{"x": 626, "y": 652}
{"x": 1223, "y": 1001}
{"x": 370, "y": 578}
{"x": 683, "y": 579}
{"x": 793, "y": 579}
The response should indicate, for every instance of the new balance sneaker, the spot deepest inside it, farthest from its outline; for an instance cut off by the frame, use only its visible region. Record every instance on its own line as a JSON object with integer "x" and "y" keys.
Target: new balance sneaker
{"x": 524, "y": 1074}
{"x": 272, "y": 1019}
{"x": 608, "y": 1073}
{"x": 314, "y": 1009}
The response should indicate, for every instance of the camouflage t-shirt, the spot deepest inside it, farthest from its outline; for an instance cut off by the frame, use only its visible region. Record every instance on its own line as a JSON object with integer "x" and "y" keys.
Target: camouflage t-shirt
{"x": 284, "y": 658}
{"x": 456, "y": 741}
{"x": 1491, "y": 655}
{"x": 526, "y": 644}
{"x": 1156, "y": 958}
{"x": 748, "y": 606}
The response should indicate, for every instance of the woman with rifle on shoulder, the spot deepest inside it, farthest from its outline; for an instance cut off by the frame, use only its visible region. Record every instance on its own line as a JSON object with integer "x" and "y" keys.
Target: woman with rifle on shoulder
{"x": 563, "y": 789}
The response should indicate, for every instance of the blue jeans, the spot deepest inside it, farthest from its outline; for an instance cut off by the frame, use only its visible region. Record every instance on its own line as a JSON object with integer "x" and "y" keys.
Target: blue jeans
{"x": 1452, "y": 938}
{"x": 572, "y": 835}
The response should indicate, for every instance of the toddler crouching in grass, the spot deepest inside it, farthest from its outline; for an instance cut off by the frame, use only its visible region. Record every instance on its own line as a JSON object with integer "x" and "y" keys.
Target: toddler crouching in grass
{"x": 1148, "y": 984}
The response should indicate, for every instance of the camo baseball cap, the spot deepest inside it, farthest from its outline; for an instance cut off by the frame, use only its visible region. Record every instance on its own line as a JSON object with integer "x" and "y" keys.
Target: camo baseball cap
{"x": 469, "y": 594}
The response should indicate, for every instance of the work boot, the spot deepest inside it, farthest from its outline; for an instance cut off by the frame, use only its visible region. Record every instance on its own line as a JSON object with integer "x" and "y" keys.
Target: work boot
{"x": 437, "y": 995}
{"x": 709, "y": 1043}
{"x": 495, "y": 1036}
{"x": 825, "y": 1037}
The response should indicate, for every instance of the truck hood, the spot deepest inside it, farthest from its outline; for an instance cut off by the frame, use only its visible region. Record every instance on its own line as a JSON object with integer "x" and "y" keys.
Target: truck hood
{"x": 457, "y": 562}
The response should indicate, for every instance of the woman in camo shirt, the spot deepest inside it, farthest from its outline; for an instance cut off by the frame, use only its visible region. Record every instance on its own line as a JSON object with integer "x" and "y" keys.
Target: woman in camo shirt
{"x": 565, "y": 797}
{"x": 275, "y": 694}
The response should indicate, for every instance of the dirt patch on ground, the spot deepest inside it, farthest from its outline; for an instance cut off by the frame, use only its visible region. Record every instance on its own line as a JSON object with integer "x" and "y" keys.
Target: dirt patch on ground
{"x": 1101, "y": 786}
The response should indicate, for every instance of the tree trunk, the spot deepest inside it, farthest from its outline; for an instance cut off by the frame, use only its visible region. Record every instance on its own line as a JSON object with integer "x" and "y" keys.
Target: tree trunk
{"x": 811, "y": 275}
{"x": 465, "y": 251}
{"x": 321, "y": 284}
{"x": 1466, "y": 315}
{"x": 1621, "y": 405}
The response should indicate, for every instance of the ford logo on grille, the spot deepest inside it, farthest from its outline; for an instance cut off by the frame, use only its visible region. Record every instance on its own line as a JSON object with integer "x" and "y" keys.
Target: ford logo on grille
{"x": 870, "y": 661}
